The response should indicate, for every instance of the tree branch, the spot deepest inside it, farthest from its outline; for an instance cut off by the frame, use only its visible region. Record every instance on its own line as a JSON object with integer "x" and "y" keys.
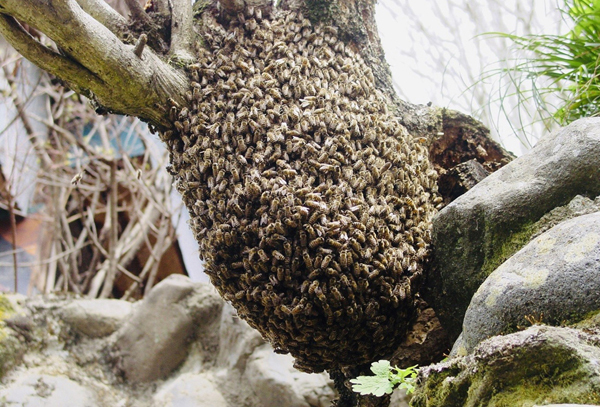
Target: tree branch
{"x": 137, "y": 12}
{"x": 182, "y": 32}
{"x": 129, "y": 85}
{"x": 233, "y": 7}
{"x": 105, "y": 14}
{"x": 161, "y": 6}
{"x": 54, "y": 63}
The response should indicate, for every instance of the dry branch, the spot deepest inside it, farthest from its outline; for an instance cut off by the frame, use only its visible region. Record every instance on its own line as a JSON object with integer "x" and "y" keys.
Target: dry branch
{"x": 105, "y": 14}
{"x": 161, "y": 6}
{"x": 97, "y": 62}
{"x": 47, "y": 59}
{"x": 75, "y": 187}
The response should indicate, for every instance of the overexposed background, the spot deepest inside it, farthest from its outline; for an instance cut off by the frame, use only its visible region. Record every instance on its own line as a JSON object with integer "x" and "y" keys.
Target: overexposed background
{"x": 438, "y": 53}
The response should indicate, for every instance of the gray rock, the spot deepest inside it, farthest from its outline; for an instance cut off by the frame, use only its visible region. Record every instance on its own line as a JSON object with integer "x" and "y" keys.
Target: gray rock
{"x": 237, "y": 340}
{"x": 156, "y": 338}
{"x": 399, "y": 398}
{"x": 540, "y": 365}
{"x": 276, "y": 383}
{"x": 555, "y": 279}
{"x": 95, "y": 318}
{"x": 477, "y": 232}
{"x": 190, "y": 390}
{"x": 578, "y": 206}
{"x": 227, "y": 363}
{"x": 43, "y": 390}
{"x": 317, "y": 389}
{"x": 15, "y": 326}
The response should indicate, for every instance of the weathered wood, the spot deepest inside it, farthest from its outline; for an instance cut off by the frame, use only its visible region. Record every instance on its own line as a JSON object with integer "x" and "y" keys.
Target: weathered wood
{"x": 96, "y": 61}
{"x": 463, "y": 152}
{"x": 463, "y": 138}
{"x": 460, "y": 178}
{"x": 426, "y": 341}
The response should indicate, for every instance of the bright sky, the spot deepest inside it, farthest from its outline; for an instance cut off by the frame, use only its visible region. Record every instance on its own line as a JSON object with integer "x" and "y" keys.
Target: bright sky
{"x": 436, "y": 50}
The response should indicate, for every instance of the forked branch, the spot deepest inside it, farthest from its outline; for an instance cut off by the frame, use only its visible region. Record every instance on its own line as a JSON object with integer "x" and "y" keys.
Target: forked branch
{"x": 105, "y": 14}
{"x": 54, "y": 63}
{"x": 98, "y": 63}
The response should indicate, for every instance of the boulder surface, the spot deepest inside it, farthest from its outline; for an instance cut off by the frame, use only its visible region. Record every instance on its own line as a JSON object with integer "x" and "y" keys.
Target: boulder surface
{"x": 481, "y": 229}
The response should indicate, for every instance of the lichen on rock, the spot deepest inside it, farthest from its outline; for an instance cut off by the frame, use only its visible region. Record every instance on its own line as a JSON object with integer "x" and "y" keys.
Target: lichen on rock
{"x": 311, "y": 203}
{"x": 483, "y": 228}
{"x": 554, "y": 279}
{"x": 540, "y": 365}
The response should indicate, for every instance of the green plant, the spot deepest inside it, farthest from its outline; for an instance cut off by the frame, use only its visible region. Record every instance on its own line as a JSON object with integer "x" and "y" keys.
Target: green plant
{"x": 385, "y": 380}
{"x": 560, "y": 72}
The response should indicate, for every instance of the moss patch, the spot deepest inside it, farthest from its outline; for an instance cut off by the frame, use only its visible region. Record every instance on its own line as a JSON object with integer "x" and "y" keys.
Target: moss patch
{"x": 482, "y": 388}
{"x": 6, "y": 308}
{"x": 320, "y": 11}
{"x": 590, "y": 320}
{"x": 11, "y": 348}
{"x": 542, "y": 366}
{"x": 511, "y": 244}
{"x": 446, "y": 387}
{"x": 530, "y": 394}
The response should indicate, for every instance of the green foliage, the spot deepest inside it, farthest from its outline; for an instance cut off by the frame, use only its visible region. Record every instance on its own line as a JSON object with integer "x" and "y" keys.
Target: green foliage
{"x": 564, "y": 66}
{"x": 385, "y": 380}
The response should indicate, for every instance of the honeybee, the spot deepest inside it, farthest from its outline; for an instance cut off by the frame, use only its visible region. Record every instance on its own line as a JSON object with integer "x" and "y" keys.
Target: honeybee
{"x": 316, "y": 242}
{"x": 278, "y": 256}
{"x": 263, "y": 256}
{"x": 321, "y": 296}
{"x": 346, "y": 258}
{"x": 307, "y": 260}
{"x": 297, "y": 310}
{"x": 314, "y": 274}
{"x": 313, "y": 287}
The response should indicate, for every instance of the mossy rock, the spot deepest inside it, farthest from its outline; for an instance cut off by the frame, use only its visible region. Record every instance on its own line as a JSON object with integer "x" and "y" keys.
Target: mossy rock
{"x": 555, "y": 279}
{"x": 11, "y": 347}
{"x": 540, "y": 365}
{"x": 481, "y": 229}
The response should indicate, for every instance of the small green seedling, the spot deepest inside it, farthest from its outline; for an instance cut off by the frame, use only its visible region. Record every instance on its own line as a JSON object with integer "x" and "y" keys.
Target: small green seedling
{"x": 385, "y": 380}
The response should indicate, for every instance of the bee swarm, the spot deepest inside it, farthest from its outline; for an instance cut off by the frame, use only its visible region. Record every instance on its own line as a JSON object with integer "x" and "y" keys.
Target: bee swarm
{"x": 311, "y": 204}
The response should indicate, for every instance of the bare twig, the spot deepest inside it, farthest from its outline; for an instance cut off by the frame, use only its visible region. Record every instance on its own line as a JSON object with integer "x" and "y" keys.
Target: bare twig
{"x": 46, "y": 260}
{"x": 163, "y": 242}
{"x": 52, "y": 268}
{"x": 77, "y": 257}
{"x": 114, "y": 232}
{"x": 18, "y": 102}
{"x": 13, "y": 229}
{"x": 105, "y": 14}
{"x": 139, "y": 45}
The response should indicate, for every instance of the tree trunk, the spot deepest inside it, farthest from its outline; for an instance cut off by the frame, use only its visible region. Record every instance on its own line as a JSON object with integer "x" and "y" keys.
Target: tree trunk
{"x": 307, "y": 179}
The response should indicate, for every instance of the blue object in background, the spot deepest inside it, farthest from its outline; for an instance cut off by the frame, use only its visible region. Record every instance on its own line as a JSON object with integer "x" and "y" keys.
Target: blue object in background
{"x": 7, "y": 271}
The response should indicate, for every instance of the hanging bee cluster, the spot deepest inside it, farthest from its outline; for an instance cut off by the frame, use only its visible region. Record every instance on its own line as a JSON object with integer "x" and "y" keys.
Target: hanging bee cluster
{"x": 311, "y": 204}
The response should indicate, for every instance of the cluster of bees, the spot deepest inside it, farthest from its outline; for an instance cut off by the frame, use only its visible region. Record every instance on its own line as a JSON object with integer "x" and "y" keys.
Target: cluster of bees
{"x": 310, "y": 202}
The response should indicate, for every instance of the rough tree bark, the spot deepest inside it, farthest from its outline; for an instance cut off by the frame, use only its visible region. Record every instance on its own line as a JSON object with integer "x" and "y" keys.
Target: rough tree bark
{"x": 140, "y": 65}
